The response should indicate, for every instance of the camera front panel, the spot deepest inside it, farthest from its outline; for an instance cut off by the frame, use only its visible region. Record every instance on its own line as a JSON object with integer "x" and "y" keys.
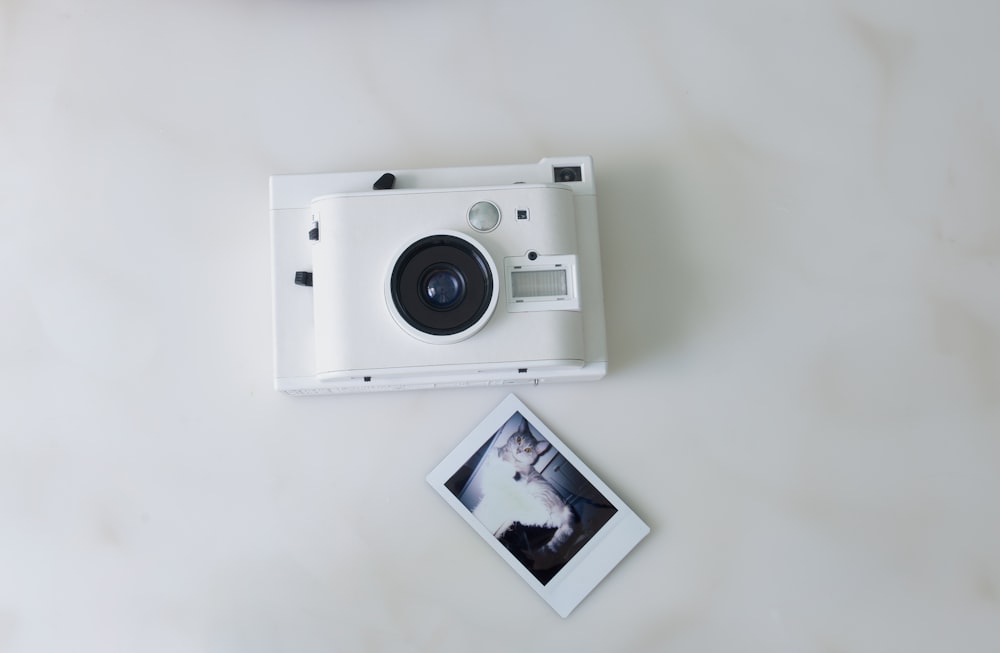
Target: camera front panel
{"x": 398, "y": 274}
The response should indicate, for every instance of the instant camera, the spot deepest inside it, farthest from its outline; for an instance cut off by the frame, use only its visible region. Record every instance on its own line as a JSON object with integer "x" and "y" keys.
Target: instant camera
{"x": 443, "y": 277}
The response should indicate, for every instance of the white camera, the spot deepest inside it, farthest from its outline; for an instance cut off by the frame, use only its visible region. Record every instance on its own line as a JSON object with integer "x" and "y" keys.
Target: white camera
{"x": 437, "y": 278}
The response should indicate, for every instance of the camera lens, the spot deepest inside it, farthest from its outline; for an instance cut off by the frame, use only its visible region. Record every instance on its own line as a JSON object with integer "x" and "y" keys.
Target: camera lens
{"x": 442, "y": 285}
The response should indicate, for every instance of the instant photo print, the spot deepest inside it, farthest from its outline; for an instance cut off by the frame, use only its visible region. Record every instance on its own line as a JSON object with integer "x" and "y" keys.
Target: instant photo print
{"x": 537, "y": 505}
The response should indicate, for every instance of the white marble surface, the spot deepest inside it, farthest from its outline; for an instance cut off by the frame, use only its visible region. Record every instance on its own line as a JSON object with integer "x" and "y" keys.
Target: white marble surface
{"x": 801, "y": 228}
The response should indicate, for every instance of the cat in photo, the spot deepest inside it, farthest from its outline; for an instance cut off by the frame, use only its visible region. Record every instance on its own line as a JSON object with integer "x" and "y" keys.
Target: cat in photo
{"x": 515, "y": 492}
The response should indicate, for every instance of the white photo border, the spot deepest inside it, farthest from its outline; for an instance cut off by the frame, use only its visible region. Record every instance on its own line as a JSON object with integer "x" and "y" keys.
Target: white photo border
{"x": 581, "y": 574}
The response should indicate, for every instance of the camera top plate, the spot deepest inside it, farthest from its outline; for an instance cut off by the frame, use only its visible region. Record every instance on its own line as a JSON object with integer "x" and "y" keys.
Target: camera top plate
{"x": 294, "y": 191}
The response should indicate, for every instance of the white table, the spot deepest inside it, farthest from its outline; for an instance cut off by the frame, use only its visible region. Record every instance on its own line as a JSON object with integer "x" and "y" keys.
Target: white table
{"x": 800, "y": 222}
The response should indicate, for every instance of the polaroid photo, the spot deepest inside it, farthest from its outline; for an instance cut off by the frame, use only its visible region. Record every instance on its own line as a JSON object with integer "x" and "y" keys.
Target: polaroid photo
{"x": 545, "y": 512}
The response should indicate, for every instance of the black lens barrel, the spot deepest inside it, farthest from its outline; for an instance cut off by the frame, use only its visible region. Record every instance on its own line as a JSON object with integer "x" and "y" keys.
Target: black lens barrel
{"x": 441, "y": 285}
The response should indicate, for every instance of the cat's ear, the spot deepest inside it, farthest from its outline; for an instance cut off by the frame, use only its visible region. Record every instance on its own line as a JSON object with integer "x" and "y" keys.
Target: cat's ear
{"x": 541, "y": 447}
{"x": 501, "y": 445}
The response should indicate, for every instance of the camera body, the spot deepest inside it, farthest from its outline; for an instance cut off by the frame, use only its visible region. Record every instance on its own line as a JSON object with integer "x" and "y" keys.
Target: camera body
{"x": 452, "y": 277}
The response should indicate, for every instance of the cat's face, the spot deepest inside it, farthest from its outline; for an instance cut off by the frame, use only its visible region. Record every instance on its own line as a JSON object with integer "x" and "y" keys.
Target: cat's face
{"x": 522, "y": 448}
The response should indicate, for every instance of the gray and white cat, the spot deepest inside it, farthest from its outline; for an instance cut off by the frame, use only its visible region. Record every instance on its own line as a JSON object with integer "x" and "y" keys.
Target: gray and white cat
{"x": 514, "y": 491}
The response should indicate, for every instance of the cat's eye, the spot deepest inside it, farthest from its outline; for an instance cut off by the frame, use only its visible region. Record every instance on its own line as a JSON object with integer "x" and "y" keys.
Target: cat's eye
{"x": 519, "y": 439}
{"x": 527, "y": 450}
